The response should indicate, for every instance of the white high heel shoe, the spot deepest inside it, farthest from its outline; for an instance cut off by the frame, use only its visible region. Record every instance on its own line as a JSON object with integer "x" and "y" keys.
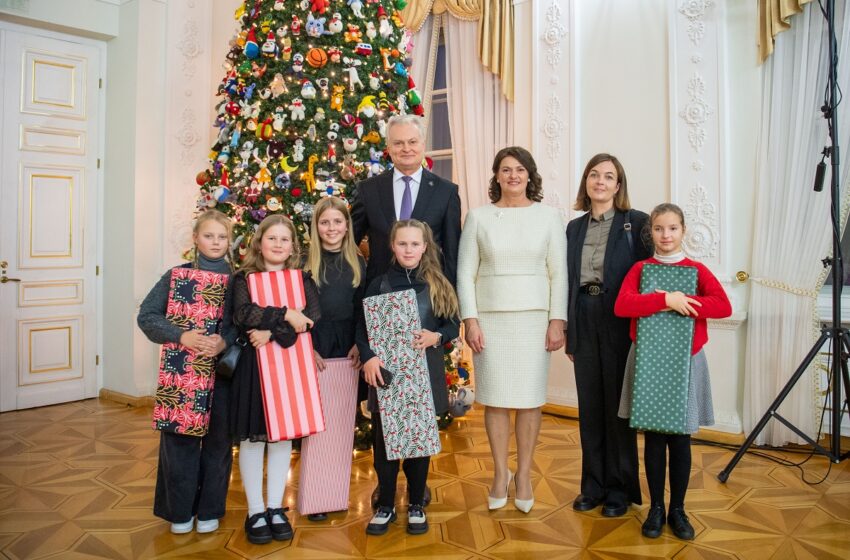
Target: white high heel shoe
{"x": 523, "y": 505}
{"x": 499, "y": 503}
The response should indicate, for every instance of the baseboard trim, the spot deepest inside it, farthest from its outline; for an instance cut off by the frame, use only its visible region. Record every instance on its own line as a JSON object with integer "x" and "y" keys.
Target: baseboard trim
{"x": 121, "y": 398}
{"x": 714, "y": 436}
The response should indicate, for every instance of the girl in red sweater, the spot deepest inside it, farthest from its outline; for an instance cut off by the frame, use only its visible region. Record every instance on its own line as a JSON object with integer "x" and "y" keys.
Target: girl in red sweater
{"x": 667, "y": 225}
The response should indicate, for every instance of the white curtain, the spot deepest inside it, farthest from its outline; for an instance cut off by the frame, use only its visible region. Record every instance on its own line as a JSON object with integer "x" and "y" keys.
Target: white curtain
{"x": 480, "y": 117}
{"x": 792, "y": 232}
{"x": 422, "y": 54}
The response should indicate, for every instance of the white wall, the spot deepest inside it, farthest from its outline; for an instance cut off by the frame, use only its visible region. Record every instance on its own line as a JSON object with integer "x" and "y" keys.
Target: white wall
{"x": 91, "y": 18}
{"x": 620, "y": 82}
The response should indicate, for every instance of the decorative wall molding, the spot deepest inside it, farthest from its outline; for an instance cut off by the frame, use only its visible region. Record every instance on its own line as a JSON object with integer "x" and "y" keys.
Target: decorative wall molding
{"x": 188, "y": 80}
{"x": 696, "y": 126}
{"x": 552, "y": 80}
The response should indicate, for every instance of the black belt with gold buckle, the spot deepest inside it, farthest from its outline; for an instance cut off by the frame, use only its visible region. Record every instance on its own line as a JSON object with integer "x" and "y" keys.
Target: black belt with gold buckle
{"x": 592, "y": 289}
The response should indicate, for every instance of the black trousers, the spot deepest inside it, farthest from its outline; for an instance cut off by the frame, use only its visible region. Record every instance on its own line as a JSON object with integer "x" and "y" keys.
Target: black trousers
{"x": 609, "y": 458}
{"x": 194, "y": 472}
{"x": 415, "y": 470}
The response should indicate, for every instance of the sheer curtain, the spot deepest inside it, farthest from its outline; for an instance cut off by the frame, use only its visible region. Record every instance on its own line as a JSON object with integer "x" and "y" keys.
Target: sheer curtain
{"x": 792, "y": 231}
{"x": 422, "y": 50}
{"x": 480, "y": 117}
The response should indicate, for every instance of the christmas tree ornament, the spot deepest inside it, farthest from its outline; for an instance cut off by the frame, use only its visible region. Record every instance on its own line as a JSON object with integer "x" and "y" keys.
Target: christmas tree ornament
{"x": 335, "y": 54}
{"x": 296, "y": 192}
{"x": 335, "y": 24}
{"x": 323, "y": 84}
{"x": 317, "y": 57}
{"x": 374, "y": 80}
{"x": 295, "y": 25}
{"x": 349, "y": 144}
{"x": 356, "y": 7}
{"x": 273, "y": 204}
{"x": 385, "y": 57}
{"x": 298, "y": 65}
{"x": 298, "y": 150}
{"x": 384, "y": 27}
{"x": 319, "y": 6}
{"x": 296, "y": 109}
{"x": 265, "y": 129}
{"x": 315, "y": 26}
{"x": 351, "y": 65}
{"x": 270, "y": 48}
{"x": 319, "y": 115}
{"x": 331, "y": 155}
{"x": 372, "y": 137}
{"x": 284, "y": 164}
{"x": 203, "y": 177}
{"x": 252, "y": 49}
{"x": 333, "y": 131}
{"x": 308, "y": 90}
{"x": 371, "y": 32}
{"x": 285, "y": 48}
{"x": 274, "y": 150}
{"x": 352, "y": 33}
{"x": 278, "y": 6}
{"x": 367, "y": 107}
{"x": 282, "y": 181}
{"x": 400, "y": 4}
{"x": 336, "y": 97}
{"x": 347, "y": 120}
{"x": 278, "y": 86}
{"x": 312, "y": 133}
{"x": 278, "y": 118}
{"x": 358, "y": 128}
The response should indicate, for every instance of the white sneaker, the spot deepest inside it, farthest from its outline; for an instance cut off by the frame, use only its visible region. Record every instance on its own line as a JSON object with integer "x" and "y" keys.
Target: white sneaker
{"x": 207, "y": 526}
{"x": 183, "y": 528}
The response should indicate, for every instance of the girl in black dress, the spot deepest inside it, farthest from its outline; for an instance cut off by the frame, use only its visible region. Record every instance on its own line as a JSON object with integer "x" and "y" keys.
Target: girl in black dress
{"x": 273, "y": 247}
{"x": 339, "y": 271}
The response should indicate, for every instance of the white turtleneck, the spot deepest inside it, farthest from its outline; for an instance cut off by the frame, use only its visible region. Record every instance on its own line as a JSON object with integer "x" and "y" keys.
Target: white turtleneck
{"x": 670, "y": 259}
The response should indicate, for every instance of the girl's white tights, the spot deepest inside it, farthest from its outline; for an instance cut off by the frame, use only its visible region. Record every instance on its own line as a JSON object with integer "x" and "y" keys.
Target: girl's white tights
{"x": 251, "y": 469}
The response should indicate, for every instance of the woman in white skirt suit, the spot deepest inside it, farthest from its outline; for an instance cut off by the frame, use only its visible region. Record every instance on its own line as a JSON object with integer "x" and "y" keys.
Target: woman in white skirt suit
{"x": 512, "y": 287}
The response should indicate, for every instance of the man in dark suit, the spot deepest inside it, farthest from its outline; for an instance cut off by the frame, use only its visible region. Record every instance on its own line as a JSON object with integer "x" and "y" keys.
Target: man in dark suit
{"x": 406, "y": 191}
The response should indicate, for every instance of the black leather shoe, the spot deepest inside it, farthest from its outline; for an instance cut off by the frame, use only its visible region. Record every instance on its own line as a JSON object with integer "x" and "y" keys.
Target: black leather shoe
{"x": 317, "y": 516}
{"x": 585, "y": 503}
{"x": 614, "y": 509}
{"x": 680, "y": 525}
{"x": 280, "y": 531}
{"x": 258, "y": 535}
{"x": 654, "y": 523}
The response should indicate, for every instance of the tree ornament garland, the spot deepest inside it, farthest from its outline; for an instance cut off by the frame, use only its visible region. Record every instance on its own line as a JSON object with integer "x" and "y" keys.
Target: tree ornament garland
{"x": 308, "y": 88}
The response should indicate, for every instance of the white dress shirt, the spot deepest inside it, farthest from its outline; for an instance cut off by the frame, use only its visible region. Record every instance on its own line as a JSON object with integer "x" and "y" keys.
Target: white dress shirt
{"x": 398, "y": 188}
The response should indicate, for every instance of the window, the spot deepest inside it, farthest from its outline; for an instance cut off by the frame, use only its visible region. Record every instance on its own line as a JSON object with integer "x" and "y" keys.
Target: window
{"x": 439, "y": 142}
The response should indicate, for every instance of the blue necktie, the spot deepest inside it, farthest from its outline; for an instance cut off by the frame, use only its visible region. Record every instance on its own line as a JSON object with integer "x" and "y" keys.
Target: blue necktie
{"x": 406, "y": 200}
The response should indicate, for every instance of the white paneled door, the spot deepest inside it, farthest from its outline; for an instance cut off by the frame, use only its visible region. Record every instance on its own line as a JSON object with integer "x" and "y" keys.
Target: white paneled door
{"x": 50, "y": 139}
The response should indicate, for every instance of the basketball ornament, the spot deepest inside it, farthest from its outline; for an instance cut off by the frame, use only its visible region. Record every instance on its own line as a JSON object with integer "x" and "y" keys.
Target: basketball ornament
{"x": 317, "y": 57}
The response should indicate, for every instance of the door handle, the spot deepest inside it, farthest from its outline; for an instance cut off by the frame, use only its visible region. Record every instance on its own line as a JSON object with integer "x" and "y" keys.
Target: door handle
{"x": 4, "y": 279}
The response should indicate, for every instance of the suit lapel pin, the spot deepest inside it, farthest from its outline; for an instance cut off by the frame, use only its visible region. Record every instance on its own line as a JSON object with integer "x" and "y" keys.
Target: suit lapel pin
{"x": 430, "y": 183}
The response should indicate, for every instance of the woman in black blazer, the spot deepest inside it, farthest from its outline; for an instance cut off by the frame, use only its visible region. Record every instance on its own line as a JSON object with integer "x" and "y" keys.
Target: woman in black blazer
{"x": 602, "y": 246}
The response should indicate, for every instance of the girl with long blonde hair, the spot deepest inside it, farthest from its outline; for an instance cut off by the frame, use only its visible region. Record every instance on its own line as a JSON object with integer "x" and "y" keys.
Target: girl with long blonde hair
{"x": 415, "y": 265}
{"x": 339, "y": 272}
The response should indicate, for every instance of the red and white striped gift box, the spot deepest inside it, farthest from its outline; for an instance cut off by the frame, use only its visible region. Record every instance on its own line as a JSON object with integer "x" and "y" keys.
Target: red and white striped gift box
{"x": 288, "y": 377}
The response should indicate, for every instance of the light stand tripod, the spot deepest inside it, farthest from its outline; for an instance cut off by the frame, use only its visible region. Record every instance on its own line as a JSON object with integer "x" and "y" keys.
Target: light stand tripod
{"x": 838, "y": 337}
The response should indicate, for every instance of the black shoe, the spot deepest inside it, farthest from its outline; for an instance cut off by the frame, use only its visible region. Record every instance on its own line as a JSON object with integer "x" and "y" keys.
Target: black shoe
{"x": 257, "y": 535}
{"x": 585, "y": 503}
{"x": 654, "y": 522}
{"x": 317, "y": 516}
{"x": 613, "y": 508}
{"x": 380, "y": 522}
{"x": 680, "y": 525}
{"x": 280, "y": 531}
{"x": 417, "y": 524}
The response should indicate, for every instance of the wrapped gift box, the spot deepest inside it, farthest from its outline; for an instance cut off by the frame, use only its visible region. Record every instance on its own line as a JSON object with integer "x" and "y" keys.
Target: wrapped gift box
{"x": 663, "y": 355}
{"x": 288, "y": 379}
{"x": 185, "y": 382}
{"x": 325, "y": 472}
{"x": 406, "y": 405}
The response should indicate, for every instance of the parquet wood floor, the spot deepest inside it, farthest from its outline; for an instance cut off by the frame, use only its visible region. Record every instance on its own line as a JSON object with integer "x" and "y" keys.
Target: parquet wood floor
{"x": 76, "y": 481}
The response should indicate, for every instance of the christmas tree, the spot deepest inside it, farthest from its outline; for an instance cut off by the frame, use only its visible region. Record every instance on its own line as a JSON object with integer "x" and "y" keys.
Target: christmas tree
{"x": 308, "y": 88}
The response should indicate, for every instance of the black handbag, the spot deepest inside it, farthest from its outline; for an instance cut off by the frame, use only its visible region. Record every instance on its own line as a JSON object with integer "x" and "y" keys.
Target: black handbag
{"x": 226, "y": 364}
